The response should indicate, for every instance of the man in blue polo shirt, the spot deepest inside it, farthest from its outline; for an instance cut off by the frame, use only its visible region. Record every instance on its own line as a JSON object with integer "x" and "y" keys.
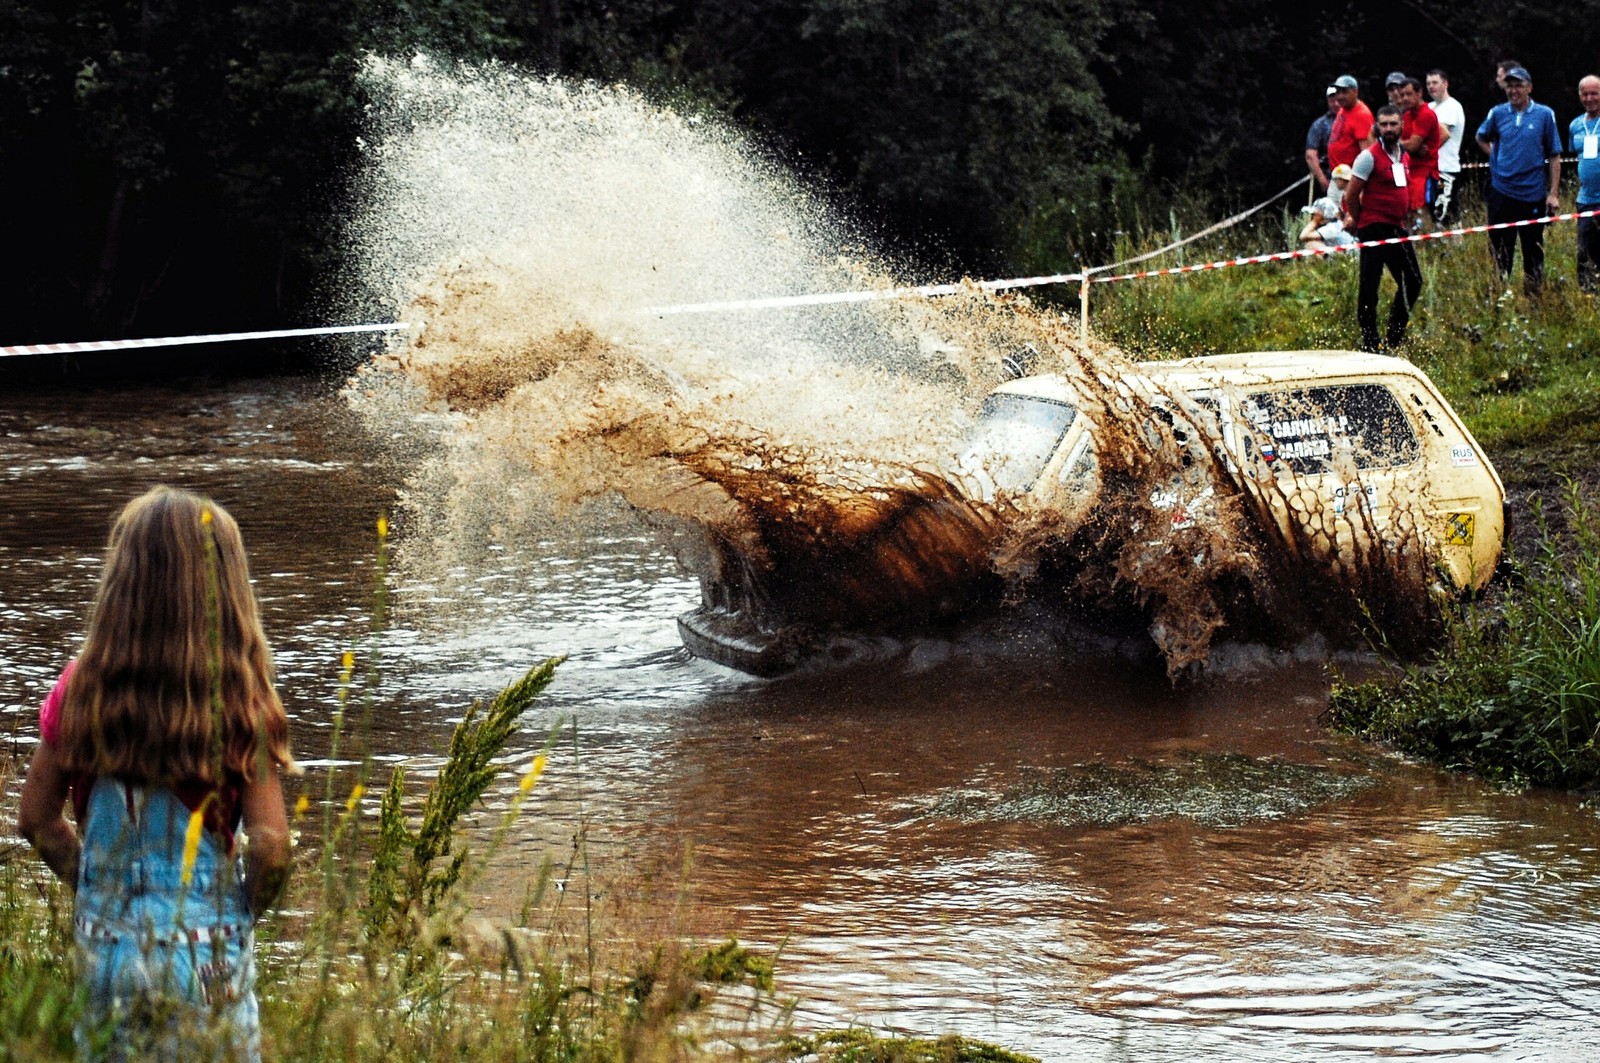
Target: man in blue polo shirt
{"x": 1524, "y": 149}
{"x": 1584, "y": 141}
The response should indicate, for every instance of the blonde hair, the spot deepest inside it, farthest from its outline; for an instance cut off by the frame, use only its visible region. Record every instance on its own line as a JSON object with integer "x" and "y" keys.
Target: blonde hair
{"x": 175, "y": 681}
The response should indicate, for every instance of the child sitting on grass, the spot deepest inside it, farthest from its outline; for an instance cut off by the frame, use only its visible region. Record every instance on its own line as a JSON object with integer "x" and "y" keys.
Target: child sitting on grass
{"x": 166, "y": 733}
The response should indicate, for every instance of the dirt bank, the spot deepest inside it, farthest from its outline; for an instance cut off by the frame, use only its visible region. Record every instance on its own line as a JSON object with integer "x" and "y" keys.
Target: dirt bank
{"x": 1536, "y": 480}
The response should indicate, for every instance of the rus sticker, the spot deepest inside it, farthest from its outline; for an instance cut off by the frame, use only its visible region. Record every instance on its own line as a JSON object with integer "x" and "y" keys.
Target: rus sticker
{"x": 1461, "y": 454}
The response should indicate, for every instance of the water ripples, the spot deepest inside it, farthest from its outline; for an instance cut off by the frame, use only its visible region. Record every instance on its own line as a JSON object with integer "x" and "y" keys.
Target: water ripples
{"x": 1330, "y": 903}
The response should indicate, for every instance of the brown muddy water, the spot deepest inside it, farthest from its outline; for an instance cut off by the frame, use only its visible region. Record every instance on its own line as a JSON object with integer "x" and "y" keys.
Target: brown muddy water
{"x": 988, "y": 833}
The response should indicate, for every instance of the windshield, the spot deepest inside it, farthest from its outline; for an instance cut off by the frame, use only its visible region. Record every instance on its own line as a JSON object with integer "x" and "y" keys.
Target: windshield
{"x": 1014, "y": 438}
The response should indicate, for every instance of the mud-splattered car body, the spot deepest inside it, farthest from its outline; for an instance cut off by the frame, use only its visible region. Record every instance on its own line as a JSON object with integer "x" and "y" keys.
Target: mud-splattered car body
{"x": 1341, "y": 447}
{"x": 1345, "y": 467}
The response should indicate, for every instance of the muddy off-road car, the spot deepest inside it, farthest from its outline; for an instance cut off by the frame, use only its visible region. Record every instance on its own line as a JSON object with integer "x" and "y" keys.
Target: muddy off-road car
{"x": 1346, "y": 463}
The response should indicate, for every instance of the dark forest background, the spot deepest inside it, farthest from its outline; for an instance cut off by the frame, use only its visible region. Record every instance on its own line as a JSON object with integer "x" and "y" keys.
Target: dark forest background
{"x": 179, "y": 166}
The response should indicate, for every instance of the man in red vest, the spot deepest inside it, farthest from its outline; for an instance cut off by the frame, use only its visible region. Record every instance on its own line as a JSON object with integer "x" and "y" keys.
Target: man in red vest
{"x": 1377, "y": 206}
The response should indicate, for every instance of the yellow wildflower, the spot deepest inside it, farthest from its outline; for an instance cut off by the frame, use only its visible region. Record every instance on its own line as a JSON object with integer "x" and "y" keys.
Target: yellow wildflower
{"x": 191, "y": 843}
{"x": 302, "y": 806}
{"x": 205, "y": 516}
{"x": 535, "y": 770}
{"x": 383, "y": 526}
{"x": 355, "y": 798}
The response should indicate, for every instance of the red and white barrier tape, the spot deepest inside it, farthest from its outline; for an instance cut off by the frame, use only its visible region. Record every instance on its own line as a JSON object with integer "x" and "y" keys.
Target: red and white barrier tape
{"x": 86, "y": 346}
{"x": 1308, "y": 252}
{"x": 835, "y": 298}
{"x": 1082, "y": 278}
{"x": 777, "y": 302}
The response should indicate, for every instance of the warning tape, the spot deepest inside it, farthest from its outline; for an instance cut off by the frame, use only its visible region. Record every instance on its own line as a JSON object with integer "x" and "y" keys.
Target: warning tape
{"x": 835, "y": 298}
{"x": 1082, "y": 278}
{"x": 85, "y": 346}
{"x": 873, "y": 295}
{"x": 1225, "y": 223}
{"x": 1309, "y": 252}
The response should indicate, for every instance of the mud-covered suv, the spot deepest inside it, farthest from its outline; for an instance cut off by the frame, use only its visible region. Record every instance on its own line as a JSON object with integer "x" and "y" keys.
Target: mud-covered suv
{"x": 1211, "y": 492}
{"x": 1344, "y": 449}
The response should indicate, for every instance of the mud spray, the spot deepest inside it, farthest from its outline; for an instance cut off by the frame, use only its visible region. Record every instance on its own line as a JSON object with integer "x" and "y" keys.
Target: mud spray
{"x": 795, "y": 459}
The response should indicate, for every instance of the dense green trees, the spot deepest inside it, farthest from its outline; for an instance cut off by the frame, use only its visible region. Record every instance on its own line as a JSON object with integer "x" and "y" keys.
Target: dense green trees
{"x": 173, "y": 165}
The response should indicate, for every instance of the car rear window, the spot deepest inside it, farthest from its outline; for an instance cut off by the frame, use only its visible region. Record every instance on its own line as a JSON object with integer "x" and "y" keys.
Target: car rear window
{"x": 1310, "y": 426}
{"x": 1015, "y": 436}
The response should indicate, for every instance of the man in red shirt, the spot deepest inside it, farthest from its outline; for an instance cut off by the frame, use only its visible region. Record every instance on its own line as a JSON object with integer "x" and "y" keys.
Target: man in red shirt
{"x": 1352, "y": 129}
{"x": 1420, "y": 135}
{"x": 1377, "y": 205}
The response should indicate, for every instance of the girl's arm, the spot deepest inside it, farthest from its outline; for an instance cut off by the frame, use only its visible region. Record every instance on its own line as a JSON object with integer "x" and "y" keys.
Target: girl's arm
{"x": 266, "y": 858}
{"x": 41, "y": 820}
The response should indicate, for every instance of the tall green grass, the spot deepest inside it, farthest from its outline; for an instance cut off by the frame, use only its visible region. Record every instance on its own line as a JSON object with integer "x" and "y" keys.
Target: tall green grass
{"x": 1514, "y": 693}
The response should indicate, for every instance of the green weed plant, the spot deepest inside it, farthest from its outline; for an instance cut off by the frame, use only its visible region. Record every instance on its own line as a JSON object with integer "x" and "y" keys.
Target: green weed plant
{"x": 1514, "y": 692}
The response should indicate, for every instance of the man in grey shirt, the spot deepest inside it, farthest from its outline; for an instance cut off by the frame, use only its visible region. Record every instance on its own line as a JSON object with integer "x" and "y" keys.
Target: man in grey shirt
{"x": 1317, "y": 143}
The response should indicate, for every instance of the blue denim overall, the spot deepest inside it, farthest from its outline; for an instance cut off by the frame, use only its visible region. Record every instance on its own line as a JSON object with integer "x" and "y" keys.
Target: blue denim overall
{"x": 169, "y": 969}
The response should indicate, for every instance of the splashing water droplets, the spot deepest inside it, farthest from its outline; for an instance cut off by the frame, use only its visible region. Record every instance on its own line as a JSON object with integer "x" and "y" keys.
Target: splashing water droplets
{"x": 800, "y": 459}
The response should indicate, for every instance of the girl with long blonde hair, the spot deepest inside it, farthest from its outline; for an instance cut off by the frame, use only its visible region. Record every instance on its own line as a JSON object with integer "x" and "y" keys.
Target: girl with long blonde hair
{"x": 166, "y": 735}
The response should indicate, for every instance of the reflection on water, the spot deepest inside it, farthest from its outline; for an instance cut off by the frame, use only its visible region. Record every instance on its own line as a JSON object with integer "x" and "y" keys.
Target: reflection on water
{"x": 1399, "y": 911}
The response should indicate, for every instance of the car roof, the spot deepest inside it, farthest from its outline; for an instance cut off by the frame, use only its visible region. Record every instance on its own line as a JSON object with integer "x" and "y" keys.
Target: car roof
{"x": 1248, "y": 369}
{"x": 1273, "y": 367}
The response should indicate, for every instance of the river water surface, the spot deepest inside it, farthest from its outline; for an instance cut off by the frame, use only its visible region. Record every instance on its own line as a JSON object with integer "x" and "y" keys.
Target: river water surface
{"x": 991, "y": 834}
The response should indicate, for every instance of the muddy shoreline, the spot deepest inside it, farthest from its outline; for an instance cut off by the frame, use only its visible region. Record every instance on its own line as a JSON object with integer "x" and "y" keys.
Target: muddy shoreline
{"x": 1536, "y": 478}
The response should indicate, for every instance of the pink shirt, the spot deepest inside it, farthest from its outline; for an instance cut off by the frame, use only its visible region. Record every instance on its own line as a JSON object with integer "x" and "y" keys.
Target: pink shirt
{"x": 222, "y": 815}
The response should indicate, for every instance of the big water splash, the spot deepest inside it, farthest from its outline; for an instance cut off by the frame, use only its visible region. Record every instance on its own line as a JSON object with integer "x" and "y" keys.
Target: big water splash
{"x": 798, "y": 460}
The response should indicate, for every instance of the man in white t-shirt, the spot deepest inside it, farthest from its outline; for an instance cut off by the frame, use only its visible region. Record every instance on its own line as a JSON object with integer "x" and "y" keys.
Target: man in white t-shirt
{"x": 1453, "y": 124}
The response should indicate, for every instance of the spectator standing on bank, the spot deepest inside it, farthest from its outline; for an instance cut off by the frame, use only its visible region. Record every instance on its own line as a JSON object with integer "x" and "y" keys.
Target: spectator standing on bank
{"x": 1524, "y": 149}
{"x": 1420, "y": 136}
{"x": 1377, "y": 205}
{"x": 1453, "y": 124}
{"x": 1352, "y": 126}
{"x": 1500, "y": 69}
{"x": 1317, "y": 143}
{"x": 1584, "y": 141}
{"x": 1392, "y": 85}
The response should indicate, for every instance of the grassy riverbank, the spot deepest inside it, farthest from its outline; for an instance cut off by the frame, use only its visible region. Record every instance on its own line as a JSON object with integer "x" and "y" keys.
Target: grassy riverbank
{"x": 1513, "y": 693}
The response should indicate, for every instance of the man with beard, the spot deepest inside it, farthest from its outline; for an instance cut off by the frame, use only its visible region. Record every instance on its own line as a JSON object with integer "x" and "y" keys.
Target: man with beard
{"x": 1524, "y": 148}
{"x": 1377, "y": 206}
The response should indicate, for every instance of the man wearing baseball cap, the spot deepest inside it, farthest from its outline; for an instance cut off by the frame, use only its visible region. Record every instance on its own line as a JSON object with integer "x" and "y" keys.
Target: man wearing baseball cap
{"x": 1524, "y": 149}
{"x": 1352, "y": 129}
{"x": 1317, "y": 143}
{"x": 1392, "y": 85}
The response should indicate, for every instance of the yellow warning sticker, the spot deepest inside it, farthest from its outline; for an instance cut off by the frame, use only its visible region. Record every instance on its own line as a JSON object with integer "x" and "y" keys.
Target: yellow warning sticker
{"x": 1459, "y": 528}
